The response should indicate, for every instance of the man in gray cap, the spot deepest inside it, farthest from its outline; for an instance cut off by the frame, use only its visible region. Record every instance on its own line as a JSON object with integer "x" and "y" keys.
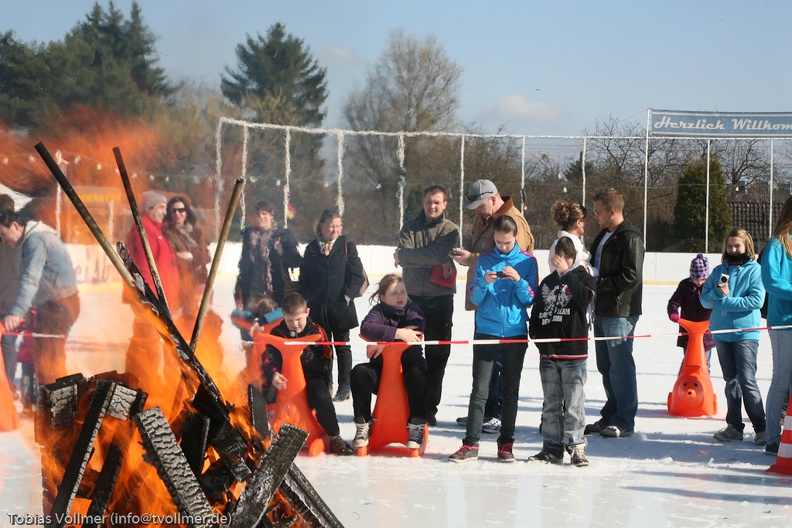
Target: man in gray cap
{"x": 145, "y": 341}
{"x": 484, "y": 198}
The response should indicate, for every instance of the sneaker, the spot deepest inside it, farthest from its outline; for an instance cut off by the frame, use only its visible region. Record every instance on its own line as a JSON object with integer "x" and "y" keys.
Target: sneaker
{"x": 415, "y": 439}
{"x": 362, "y": 434}
{"x": 728, "y": 434}
{"x": 462, "y": 420}
{"x": 491, "y": 426}
{"x": 594, "y": 428}
{"x": 771, "y": 449}
{"x": 579, "y": 457}
{"x": 760, "y": 438}
{"x": 546, "y": 456}
{"x": 431, "y": 419}
{"x": 342, "y": 394}
{"x": 465, "y": 453}
{"x": 339, "y": 447}
{"x": 505, "y": 452}
{"x": 614, "y": 431}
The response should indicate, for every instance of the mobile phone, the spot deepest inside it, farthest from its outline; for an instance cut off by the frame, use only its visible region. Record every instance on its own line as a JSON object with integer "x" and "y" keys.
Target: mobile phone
{"x": 724, "y": 279}
{"x": 454, "y": 253}
{"x": 500, "y": 274}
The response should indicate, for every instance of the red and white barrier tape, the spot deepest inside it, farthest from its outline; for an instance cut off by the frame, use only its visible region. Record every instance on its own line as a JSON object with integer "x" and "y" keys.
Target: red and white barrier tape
{"x": 479, "y": 341}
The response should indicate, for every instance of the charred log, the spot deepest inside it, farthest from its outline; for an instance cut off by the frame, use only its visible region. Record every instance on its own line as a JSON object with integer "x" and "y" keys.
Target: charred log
{"x": 167, "y": 457}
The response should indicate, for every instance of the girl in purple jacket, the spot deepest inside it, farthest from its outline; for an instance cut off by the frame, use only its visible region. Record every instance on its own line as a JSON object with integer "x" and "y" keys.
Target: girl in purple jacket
{"x": 393, "y": 318}
{"x": 686, "y": 298}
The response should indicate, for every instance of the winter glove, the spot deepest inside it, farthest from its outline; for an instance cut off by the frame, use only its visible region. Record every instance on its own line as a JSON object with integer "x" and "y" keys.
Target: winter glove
{"x": 674, "y": 317}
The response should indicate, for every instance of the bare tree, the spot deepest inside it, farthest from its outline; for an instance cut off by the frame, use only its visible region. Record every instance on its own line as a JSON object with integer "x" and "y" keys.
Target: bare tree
{"x": 413, "y": 88}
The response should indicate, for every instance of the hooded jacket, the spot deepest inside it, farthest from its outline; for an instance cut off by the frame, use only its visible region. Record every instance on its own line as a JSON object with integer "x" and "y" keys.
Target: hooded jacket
{"x": 46, "y": 269}
{"x": 777, "y": 280}
{"x": 560, "y": 312}
{"x": 481, "y": 238}
{"x": 502, "y": 304}
{"x": 422, "y": 245}
{"x": 620, "y": 281}
{"x": 739, "y": 309}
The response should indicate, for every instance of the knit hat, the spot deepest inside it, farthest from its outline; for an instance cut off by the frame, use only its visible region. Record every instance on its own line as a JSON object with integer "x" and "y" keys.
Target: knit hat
{"x": 699, "y": 267}
{"x": 150, "y": 198}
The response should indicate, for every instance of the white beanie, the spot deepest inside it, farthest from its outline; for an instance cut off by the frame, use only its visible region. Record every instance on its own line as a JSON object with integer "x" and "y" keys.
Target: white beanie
{"x": 150, "y": 198}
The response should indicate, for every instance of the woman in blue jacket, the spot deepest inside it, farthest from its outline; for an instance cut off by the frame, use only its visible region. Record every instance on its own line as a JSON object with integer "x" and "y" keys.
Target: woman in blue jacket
{"x": 502, "y": 288}
{"x": 777, "y": 280}
{"x": 734, "y": 292}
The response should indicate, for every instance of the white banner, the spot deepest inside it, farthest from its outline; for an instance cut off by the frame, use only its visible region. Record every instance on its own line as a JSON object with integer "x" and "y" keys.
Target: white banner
{"x": 665, "y": 123}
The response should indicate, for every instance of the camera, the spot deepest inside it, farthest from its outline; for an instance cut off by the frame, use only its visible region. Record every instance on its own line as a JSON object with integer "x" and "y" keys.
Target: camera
{"x": 724, "y": 279}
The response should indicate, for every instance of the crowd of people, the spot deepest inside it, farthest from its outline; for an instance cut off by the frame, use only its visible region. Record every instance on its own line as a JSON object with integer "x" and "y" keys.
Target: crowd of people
{"x": 597, "y": 288}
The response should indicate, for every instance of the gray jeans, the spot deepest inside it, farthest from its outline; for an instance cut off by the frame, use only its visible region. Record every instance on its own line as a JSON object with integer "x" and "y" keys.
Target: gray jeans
{"x": 564, "y": 410}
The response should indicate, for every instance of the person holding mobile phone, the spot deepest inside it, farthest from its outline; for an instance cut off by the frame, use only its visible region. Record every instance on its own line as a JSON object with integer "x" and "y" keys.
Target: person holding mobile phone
{"x": 503, "y": 287}
{"x": 735, "y": 293}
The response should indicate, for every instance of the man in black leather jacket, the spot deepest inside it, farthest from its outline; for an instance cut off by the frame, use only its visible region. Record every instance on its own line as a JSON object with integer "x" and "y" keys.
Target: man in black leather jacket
{"x": 618, "y": 254}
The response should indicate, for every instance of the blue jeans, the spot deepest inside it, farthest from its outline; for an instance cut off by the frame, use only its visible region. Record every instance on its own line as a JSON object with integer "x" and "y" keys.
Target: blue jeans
{"x": 512, "y": 356}
{"x": 780, "y": 384}
{"x": 738, "y": 363}
{"x": 616, "y": 364}
{"x": 564, "y": 410}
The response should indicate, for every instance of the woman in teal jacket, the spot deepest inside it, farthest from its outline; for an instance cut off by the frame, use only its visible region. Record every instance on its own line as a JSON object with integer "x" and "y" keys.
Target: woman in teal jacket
{"x": 734, "y": 292}
{"x": 503, "y": 288}
{"x": 777, "y": 279}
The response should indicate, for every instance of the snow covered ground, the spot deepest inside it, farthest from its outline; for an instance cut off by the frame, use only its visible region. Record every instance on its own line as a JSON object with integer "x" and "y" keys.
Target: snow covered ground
{"x": 671, "y": 473}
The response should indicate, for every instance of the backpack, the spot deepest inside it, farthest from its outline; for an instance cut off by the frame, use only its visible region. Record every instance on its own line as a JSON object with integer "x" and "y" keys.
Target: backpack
{"x": 365, "y": 286}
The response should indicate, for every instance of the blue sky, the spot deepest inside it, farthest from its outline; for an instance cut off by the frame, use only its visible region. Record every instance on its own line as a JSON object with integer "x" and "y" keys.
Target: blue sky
{"x": 535, "y": 67}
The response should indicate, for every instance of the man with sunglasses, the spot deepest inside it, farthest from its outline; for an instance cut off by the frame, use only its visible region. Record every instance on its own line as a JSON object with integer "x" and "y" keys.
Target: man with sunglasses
{"x": 618, "y": 254}
{"x": 489, "y": 205}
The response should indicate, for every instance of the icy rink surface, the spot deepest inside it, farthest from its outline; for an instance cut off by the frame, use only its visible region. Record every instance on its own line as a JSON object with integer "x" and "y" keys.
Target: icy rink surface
{"x": 670, "y": 473}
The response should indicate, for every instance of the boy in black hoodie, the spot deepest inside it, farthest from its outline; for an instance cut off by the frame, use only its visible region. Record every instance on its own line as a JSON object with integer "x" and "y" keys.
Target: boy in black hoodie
{"x": 316, "y": 362}
{"x": 559, "y": 312}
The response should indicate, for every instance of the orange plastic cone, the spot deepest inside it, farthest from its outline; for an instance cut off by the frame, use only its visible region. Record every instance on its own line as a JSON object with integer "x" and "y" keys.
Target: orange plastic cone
{"x": 693, "y": 394}
{"x": 783, "y": 463}
{"x": 9, "y": 419}
{"x": 291, "y": 406}
{"x": 392, "y": 411}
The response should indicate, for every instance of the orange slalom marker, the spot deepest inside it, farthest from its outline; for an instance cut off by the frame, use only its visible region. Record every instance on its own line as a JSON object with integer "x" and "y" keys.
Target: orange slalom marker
{"x": 291, "y": 405}
{"x": 693, "y": 394}
{"x": 9, "y": 419}
{"x": 392, "y": 411}
{"x": 783, "y": 463}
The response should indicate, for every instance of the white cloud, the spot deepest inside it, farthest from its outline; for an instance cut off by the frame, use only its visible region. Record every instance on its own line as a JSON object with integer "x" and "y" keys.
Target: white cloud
{"x": 339, "y": 56}
{"x": 518, "y": 108}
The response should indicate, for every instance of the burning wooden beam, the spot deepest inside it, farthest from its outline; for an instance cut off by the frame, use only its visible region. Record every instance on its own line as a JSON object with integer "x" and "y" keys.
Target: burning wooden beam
{"x": 83, "y": 450}
{"x": 252, "y": 504}
{"x": 172, "y": 467}
{"x": 104, "y": 485}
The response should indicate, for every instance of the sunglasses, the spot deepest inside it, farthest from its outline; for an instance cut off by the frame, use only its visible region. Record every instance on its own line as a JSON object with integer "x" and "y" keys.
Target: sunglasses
{"x": 179, "y": 210}
{"x": 478, "y": 197}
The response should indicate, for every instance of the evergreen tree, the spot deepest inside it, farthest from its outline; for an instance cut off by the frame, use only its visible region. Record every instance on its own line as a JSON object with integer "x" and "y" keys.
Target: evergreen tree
{"x": 279, "y": 66}
{"x": 690, "y": 209}
{"x": 278, "y": 81}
